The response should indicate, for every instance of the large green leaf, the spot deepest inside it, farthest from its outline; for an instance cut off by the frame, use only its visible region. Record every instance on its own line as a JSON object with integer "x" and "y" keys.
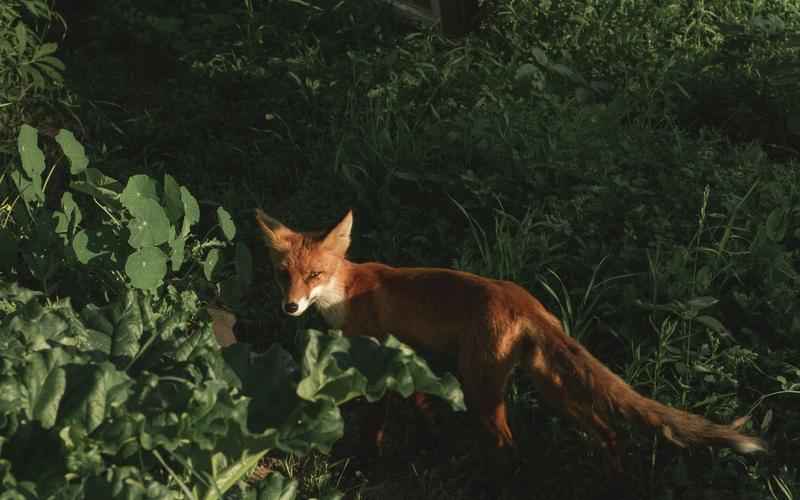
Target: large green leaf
{"x": 99, "y": 186}
{"x": 275, "y": 487}
{"x": 121, "y": 322}
{"x": 68, "y": 219}
{"x": 43, "y": 384}
{"x": 32, "y": 162}
{"x": 226, "y": 475}
{"x": 342, "y": 368}
{"x": 73, "y": 150}
{"x": 150, "y": 225}
{"x": 146, "y": 268}
{"x": 191, "y": 211}
{"x": 39, "y": 326}
{"x": 177, "y": 256}
{"x": 172, "y": 199}
{"x": 210, "y": 264}
{"x": 226, "y": 223}
{"x": 93, "y": 389}
{"x": 292, "y": 424}
{"x": 139, "y": 187}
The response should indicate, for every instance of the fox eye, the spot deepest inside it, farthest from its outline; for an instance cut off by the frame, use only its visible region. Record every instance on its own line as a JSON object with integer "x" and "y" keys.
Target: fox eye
{"x": 314, "y": 275}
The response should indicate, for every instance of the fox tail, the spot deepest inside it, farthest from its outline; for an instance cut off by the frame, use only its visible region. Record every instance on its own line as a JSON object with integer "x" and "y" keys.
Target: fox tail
{"x": 571, "y": 377}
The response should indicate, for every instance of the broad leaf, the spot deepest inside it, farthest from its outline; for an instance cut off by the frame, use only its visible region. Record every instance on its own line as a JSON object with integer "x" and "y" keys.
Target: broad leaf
{"x": 150, "y": 225}
{"x": 172, "y": 199}
{"x": 139, "y": 187}
{"x": 191, "y": 211}
{"x": 226, "y": 223}
{"x": 73, "y": 150}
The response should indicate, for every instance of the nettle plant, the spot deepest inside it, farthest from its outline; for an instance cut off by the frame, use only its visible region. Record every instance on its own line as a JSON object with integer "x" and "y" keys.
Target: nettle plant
{"x": 112, "y": 383}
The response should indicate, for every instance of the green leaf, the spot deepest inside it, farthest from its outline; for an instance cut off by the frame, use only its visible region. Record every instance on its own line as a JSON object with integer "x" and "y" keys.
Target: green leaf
{"x": 139, "y": 188}
{"x": 539, "y": 55}
{"x": 71, "y": 209}
{"x": 32, "y": 156}
{"x": 226, "y": 223}
{"x": 699, "y": 303}
{"x": 22, "y": 37}
{"x": 527, "y": 72}
{"x": 68, "y": 220}
{"x": 150, "y": 225}
{"x": 30, "y": 185}
{"x": 73, "y": 150}
{"x": 172, "y": 199}
{"x": 30, "y": 191}
{"x": 45, "y": 49}
{"x": 121, "y": 322}
{"x": 777, "y": 224}
{"x": 210, "y": 264}
{"x": 341, "y": 368}
{"x": 191, "y": 211}
{"x": 227, "y": 476}
{"x": 178, "y": 247}
{"x": 54, "y": 62}
{"x": 44, "y": 384}
{"x": 276, "y": 487}
{"x": 712, "y": 323}
{"x": 93, "y": 390}
{"x": 80, "y": 245}
{"x": 100, "y": 186}
{"x": 146, "y": 268}
{"x": 52, "y": 73}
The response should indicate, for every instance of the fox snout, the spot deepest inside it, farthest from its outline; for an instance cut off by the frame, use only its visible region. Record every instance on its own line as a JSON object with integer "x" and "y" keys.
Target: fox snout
{"x": 295, "y": 306}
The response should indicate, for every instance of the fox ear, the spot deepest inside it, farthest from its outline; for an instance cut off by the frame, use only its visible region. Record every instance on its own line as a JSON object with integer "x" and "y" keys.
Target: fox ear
{"x": 273, "y": 232}
{"x": 338, "y": 239}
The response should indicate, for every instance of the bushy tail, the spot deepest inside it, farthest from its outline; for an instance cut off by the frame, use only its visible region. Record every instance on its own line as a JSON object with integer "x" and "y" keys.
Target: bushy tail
{"x": 687, "y": 429}
{"x": 568, "y": 375}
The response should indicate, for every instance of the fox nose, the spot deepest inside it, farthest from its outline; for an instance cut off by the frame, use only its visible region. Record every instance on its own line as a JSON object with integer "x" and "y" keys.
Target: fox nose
{"x": 290, "y": 307}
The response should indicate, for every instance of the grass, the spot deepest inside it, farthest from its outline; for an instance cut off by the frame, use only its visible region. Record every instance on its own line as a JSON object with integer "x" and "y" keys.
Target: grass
{"x": 621, "y": 160}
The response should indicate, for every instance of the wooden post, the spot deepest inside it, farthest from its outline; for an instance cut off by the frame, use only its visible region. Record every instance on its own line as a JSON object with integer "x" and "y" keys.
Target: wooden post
{"x": 455, "y": 17}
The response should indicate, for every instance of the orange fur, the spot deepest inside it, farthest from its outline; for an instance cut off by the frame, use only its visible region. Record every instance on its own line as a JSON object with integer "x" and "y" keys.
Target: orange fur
{"x": 489, "y": 325}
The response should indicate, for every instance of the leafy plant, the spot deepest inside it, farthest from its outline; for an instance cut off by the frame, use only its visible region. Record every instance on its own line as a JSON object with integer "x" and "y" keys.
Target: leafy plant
{"x": 29, "y": 66}
{"x": 125, "y": 393}
{"x": 135, "y": 398}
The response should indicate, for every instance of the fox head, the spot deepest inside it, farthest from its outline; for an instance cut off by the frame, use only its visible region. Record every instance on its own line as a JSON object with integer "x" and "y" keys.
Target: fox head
{"x": 305, "y": 263}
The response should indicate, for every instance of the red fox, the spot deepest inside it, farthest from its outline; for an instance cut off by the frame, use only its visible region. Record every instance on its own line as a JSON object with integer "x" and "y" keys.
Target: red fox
{"x": 490, "y": 326}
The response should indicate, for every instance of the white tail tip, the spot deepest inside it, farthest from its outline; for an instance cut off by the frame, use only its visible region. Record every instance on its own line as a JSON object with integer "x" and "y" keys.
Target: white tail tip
{"x": 750, "y": 445}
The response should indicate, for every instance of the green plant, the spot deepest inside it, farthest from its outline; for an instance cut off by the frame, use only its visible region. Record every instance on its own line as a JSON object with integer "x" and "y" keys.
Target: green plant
{"x": 114, "y": 386}
{"x": 28, "y": 64}
{"x": 135, "y": 398}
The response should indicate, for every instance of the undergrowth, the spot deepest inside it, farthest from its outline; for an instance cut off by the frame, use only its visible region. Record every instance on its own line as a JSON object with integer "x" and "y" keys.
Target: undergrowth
{"x": 633, "y": 164}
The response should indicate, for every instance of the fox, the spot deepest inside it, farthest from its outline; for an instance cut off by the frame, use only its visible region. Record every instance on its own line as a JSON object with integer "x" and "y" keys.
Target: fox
{"x": 488, "y": 326}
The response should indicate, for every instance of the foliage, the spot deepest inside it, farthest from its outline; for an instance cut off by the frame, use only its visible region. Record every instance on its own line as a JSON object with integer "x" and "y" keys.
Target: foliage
{"x": 135, "y": 399}
{"x": 132, "y": 398}
{"x": 633, "y": 164}
{"x": 29, "y": 66}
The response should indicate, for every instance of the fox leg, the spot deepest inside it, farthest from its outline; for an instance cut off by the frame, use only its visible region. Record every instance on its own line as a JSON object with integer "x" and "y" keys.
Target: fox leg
{"x": 484, "y": 390}
{"x": 424, "y": 406}
{"x": 373, "y": 425}
{"x": 608, "y": 438}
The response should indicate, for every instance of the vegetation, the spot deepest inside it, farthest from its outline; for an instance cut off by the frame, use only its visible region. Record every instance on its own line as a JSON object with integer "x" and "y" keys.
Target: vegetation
{"x": 633, "y": 164}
